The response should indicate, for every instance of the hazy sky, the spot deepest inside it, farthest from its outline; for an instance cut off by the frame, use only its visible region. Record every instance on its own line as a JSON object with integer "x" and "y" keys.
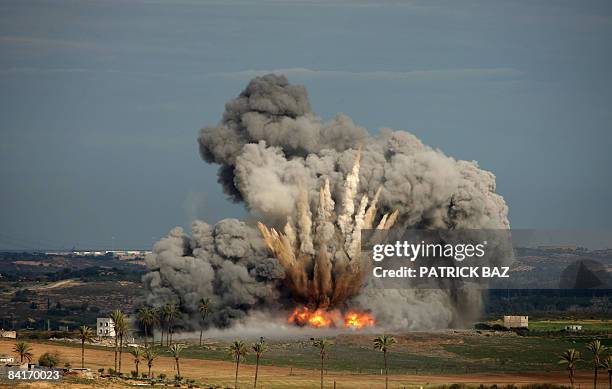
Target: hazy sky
{"x": 101, "y": 102}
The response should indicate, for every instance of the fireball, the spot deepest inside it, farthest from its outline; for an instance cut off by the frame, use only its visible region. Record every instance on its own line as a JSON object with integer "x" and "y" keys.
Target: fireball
{"x": 358, "y": 320}
{"x": 321, "y": 318}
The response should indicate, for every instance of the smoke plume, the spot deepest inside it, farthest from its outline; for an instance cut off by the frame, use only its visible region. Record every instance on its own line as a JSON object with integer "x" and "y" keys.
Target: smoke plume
{"x": 314, "y": 185}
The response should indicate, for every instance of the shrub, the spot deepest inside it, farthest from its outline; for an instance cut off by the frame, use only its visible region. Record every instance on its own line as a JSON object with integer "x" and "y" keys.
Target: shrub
{"x": 101, "y": 370}
{"x": 144, "y": 375}
{"x": 482, "y": 327}
{"x": 134, "y": 373}
{"x": 49, "y": 360}
{"x": 177, "y": 377}
{"x": 162, "y": 376}
{"x": 111, "y": 371}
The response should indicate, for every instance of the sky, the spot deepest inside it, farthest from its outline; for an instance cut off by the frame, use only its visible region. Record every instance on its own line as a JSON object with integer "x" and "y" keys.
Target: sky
{"x": 101, "y": 102}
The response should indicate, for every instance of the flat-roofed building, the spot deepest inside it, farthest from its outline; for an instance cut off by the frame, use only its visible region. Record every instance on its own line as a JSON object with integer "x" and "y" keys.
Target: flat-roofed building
{"x": 105, "y": 328}
{"x": 4, "y": 359}
{"x": 573, "y": 328}
{"x": 516, "y": 321}
{"x": 8, "y": 334}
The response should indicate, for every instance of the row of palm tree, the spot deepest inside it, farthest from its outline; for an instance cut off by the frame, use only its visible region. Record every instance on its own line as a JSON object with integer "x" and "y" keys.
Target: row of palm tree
{"x": 601, "y": 360}
{"x": 86, "y": 334}
{"x": 238, "y": 350}
{"x": 164, "y": 318}
{"x": 147, "y": 354}
{"x": 121, "y": 327}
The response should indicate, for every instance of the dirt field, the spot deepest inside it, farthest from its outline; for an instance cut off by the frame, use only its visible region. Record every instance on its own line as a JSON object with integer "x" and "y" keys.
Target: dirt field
{"x": 222, "y": 373}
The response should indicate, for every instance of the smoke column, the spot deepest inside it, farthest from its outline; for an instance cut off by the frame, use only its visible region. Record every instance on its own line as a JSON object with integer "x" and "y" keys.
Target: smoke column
{"x": 310, "y": 182}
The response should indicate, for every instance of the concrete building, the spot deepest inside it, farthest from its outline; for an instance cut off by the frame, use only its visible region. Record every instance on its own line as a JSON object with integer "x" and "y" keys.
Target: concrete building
{"x": 573, "y": 328}
{"x": 8, "y": 334}
{"x": 516, "y": 321}
{"x": 4, "y": 359}
{"x": 105, "y": 327}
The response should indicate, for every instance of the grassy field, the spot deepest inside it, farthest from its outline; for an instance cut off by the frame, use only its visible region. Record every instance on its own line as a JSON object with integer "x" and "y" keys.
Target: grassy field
{"x": 448, "y": 352}
{"x": 437, "y": 354}
{"x": 220, "y": 373}
{"x": 557, "y": 325}
{"x": 421, "y": 358}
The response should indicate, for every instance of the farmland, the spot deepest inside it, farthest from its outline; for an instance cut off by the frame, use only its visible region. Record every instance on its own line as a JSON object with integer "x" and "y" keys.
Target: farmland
{"x": 352, "y": 364}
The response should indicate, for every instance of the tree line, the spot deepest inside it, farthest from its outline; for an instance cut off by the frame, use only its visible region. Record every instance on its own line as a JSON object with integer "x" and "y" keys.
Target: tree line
{"x": 237, "y": 350}
{"x": 601, "y": 359}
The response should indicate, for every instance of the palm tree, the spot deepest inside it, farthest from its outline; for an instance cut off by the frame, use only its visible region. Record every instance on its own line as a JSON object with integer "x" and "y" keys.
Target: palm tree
{"x": 24, "y": 350}
{"x": 383, "y": 343}
{"x": 259, "y": 348}
{"x": 137, "y": 354}
{"x": 570, "y": 358}
{"x": 122, "y": 333}
{"x": 150, "y": 356}
{"x": 323, "y": 345}
{"x": 171, "y": 312}
{"x": 204, "y": 309}
{"x": 606, "y": 364}
{"x": 118, "y": 318}
{"x": 86, "y": 334}
{"x": 146, "y": 316}
{"x": 160, "y": 320}
{"x": 237, "y": 350}
{"x": 176, "y": 349}
{"x": 597, "y": 349}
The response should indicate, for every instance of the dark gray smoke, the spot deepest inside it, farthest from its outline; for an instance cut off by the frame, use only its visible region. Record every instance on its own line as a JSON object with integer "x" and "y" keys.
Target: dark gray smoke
{"x": 271, "y": 147}
{"x": 227, "y": 263}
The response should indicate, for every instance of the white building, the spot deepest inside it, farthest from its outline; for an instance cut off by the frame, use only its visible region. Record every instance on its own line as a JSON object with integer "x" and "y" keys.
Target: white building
{"x": 516, "y": 321}
{"x": 573, "y": 328}
{"x": 105, "y": 328}
{"x": 8, "y": 334}
{"x": 4, "y": 359}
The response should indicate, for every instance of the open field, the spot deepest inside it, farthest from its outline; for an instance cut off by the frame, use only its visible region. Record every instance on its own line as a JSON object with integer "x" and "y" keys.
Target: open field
{"x": 291, "y": 369}
{"x": 448, "y": 352}
{"x": 557, "y": 325}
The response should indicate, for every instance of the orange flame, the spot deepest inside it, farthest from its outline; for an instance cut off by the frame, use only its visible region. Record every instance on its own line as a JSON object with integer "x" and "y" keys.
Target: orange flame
{"x": 320, "y": 318}
{"x": 358, "y": 320}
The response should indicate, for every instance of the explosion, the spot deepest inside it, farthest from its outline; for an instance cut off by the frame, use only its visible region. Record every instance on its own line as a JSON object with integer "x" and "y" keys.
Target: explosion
{"x": 358, "y": 320}
{"x": 321, "y": 318}
{"x": 322, "y": 259}
{"x": 314, "y": 185}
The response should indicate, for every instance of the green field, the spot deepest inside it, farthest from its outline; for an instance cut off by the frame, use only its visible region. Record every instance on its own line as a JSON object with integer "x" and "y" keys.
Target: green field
{"x": 557, "y": 325}
{"x": 446, "y": 352}
{"x": 424, "y": 353}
